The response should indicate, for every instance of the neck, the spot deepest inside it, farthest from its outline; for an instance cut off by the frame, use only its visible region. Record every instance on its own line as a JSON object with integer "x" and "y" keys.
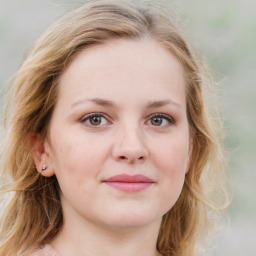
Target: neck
{"x": 86, "y": 239}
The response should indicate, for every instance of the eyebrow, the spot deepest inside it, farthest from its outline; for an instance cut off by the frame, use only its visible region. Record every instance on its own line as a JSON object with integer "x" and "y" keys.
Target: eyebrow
{"x": 97, "y": 101}
{"x": 110, "y": 104}
{"x": 160, "y": 103}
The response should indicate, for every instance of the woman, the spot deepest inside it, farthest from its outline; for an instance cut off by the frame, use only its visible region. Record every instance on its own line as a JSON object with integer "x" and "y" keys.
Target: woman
{"x": 109, "y": 146}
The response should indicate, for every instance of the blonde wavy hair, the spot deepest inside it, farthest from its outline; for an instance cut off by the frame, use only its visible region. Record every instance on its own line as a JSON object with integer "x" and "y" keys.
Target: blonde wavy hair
{"x": 32, "y": 215}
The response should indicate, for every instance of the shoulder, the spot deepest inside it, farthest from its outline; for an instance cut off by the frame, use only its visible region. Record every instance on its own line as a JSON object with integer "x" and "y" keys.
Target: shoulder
{"x": 45, "y": 250}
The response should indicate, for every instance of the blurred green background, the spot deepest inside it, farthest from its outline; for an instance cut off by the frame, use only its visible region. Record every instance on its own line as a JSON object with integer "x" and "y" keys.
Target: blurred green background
{"x": 225, "y": 32}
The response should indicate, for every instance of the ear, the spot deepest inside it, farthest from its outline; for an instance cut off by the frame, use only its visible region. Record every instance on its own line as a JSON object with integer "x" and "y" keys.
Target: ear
{"x": 42, "y": 155}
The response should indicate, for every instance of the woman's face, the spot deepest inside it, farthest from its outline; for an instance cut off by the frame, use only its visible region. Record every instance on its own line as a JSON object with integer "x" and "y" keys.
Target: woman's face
{"x": 119, "y": 140}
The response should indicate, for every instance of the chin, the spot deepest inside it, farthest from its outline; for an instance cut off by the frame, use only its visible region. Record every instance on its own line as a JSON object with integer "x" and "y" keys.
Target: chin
{"x": 130, "y": 219}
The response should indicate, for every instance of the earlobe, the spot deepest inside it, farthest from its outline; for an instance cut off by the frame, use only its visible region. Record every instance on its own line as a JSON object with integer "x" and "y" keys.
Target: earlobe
{"x": 42, "y": 155}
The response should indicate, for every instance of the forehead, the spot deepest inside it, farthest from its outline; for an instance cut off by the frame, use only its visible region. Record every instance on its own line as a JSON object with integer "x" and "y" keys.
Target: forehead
{"x": 122, "y": 66}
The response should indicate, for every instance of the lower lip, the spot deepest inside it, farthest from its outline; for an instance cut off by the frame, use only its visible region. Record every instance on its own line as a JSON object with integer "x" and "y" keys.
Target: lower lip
{"x": 129, "y": 186}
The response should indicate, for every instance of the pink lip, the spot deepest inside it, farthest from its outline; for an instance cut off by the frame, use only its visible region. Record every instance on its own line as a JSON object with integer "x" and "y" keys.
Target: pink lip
{"x": 129, "y": 183}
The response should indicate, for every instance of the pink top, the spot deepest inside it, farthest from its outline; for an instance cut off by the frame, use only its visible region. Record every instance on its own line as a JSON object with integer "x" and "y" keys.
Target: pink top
{"x": 45, "y": 250}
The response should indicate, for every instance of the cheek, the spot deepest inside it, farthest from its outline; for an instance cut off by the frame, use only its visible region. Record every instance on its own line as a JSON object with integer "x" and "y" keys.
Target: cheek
{"x": 74, "y": 172}
{"x": 171, "y": 160}
{"x": 172, "y": 156}
{"x": 78, "y": 162}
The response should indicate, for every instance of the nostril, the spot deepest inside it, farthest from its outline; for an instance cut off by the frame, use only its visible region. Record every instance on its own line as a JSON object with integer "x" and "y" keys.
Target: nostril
{"x": 130, "y": 160}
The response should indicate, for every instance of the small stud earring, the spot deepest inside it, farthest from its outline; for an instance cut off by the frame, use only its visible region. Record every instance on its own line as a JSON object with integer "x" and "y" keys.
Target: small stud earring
{"x": 44, "y": 167}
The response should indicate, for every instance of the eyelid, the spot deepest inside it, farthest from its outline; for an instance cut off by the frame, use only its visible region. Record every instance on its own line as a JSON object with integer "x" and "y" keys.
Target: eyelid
{"x": 84, "y": 118}
{"x": 169, "y": 118}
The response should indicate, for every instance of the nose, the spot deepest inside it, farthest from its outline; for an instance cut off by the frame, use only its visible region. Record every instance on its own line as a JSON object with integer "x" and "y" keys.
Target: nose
{"x": 130, "y": 146}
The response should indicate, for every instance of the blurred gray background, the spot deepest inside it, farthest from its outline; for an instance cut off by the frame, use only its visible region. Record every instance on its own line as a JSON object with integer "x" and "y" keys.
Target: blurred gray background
{"x": 225, "y": 32}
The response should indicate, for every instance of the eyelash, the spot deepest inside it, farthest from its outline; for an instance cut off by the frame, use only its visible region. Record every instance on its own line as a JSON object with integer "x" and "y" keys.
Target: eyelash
{"x": 90, "y": 116}
{"x": 168, "y": 118}
{"x": 162, "y": 116}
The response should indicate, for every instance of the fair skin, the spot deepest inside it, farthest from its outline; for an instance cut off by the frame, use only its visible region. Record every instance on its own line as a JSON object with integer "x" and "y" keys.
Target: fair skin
{"x": 137, "y": 90}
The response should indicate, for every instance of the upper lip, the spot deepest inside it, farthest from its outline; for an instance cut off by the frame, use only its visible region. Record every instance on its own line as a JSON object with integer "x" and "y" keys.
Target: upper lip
{"x": 125, "y": 178}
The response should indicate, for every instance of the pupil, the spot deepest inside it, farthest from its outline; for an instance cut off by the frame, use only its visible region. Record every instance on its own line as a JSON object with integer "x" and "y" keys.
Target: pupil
{"x": 157, "y": 121}
{"x": 96, "y": 120}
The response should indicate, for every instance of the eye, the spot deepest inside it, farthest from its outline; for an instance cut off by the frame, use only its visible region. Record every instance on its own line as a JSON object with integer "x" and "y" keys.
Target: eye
{"x": 94, "y": 119}
{"x": 161, "y": 120}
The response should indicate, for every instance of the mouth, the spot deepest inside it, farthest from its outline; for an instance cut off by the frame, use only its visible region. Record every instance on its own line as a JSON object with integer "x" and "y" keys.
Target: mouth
{"x": 129, "y": 183}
